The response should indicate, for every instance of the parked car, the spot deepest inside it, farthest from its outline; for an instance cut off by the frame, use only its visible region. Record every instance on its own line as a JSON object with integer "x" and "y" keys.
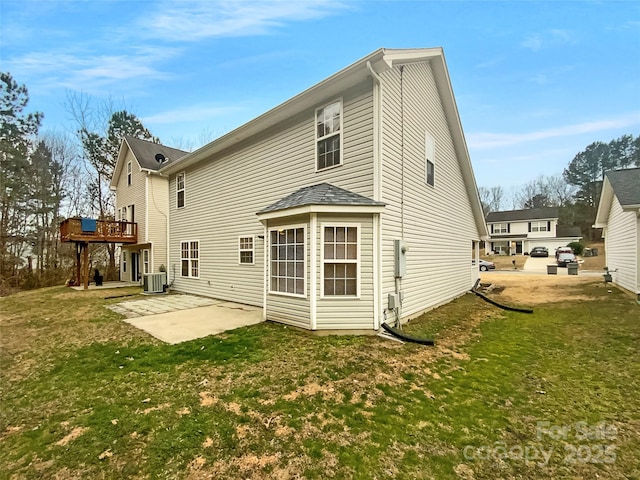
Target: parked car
{"x": 539, "y": 252}
{"x": 485, "y": 265}
{"x": 560, "y": 250}
{"x": 564, "y": 258}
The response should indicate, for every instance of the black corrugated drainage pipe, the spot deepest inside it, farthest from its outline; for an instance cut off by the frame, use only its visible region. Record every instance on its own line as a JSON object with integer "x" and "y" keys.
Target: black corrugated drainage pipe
{"x": 499, "y": 305}
{"x": 407, "y": 338}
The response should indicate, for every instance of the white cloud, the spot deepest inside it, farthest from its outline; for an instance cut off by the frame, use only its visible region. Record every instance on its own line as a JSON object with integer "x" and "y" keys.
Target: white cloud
{"x": 193, "y": 21}
{"x": 485, "y": 140}
{"x": 192, "y": 113}
{"x": 550, "y": 38}
{"x": 81, "y": 70}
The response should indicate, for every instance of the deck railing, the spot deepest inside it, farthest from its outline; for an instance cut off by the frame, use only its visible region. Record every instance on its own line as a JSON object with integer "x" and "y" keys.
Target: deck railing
{"x": 98, "y": 231}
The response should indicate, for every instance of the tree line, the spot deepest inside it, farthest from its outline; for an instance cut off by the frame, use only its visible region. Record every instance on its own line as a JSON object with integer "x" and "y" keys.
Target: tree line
{"x": 576, "y": 192}
{"x": 46, "y": 177}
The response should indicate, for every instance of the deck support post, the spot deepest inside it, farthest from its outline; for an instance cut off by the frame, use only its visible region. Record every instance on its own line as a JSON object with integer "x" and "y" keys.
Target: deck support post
{"x": 85, "y": 265}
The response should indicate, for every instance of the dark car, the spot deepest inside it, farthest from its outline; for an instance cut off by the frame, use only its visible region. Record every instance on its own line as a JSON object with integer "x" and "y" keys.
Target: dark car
{"x": 539, "y": 252}
{"x": 565, "y": 258}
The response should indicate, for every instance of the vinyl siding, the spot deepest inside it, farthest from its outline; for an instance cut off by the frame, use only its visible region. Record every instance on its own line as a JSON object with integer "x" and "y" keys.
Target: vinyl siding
{"x": 621, "y": 246}
{"x": 157, "y": 220}
{"x": 439, "y": 225}
{"x": 133, "y": 194}
{"x": 224, "y": 193}
{"x": 348, "y": 313}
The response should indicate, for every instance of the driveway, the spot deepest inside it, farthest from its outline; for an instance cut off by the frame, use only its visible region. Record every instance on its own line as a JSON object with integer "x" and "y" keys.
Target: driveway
{"x": 180, "y": 318}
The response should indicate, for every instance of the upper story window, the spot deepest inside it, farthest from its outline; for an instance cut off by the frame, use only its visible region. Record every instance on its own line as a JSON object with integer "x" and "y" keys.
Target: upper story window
{"x": 180, "y": 190}
{"x": 329, "y": 135}
{"x": 430, "y": 159}
{"x": 246, "y": 250}
{"x": 500, "y": 228}
{"x": 540, "y": 226}
{"x": 129, "y": 172}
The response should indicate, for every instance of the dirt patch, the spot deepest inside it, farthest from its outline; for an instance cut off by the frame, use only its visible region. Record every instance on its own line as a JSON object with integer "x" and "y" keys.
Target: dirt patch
{"x": 522, "y": 289}
{"x": 71, "y": 436}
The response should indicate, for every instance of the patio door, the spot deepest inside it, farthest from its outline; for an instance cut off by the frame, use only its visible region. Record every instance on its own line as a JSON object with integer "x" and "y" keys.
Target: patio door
{"x": 135, "y": 266}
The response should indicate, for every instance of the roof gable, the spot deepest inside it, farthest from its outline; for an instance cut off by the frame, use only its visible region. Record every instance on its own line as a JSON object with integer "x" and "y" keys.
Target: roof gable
{"x": 144, "y": 153}
{"x": 626, "y": 186}
{"x": 544, "y": 213}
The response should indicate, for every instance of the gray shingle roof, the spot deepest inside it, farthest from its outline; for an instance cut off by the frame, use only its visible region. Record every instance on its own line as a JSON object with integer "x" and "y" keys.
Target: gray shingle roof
{"x": 321, "y": 194}
{"x": 146, "y": 153}
{"x": 528, "y": 214}
{"x": 626, "y": 185}
{"x": 568, "y": 231}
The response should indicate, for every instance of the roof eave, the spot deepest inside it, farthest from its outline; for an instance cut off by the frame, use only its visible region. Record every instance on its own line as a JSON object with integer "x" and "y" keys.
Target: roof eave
{"x": 307, "y": 209}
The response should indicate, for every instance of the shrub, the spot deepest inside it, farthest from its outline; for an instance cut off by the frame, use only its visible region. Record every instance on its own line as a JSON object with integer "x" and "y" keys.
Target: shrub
{"x": 577, "y": 247}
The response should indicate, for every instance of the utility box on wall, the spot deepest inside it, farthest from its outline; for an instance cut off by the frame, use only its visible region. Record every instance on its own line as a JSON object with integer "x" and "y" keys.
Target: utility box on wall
{"x": 400, "y": 258}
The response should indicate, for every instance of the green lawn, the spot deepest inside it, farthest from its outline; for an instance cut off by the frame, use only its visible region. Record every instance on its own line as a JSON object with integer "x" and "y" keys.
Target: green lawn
{"x": 85, "y": 395}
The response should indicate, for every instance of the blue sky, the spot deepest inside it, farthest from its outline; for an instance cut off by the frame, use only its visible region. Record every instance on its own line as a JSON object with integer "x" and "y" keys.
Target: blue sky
{"x": 535, "y": 82}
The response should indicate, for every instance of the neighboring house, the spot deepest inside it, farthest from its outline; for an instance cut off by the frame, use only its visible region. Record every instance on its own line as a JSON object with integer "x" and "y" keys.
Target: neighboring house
{"x": 518, "y": 231}
{"x": 350, "y": 204}
{"x": 619, "y": 217}
{"x": 142, "y": 196}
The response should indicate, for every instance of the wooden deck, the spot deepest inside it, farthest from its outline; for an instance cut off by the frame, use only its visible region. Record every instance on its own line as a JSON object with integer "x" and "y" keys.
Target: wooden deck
{"x": 98, "y": 231}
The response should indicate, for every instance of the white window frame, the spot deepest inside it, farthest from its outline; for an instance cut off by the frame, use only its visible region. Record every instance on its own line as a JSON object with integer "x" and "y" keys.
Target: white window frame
{"x": 129, "y": 173}
{"x": 429, "y": 159}
{"x": 319, "y": 138}
{"x": 539, "y": 226}
{"x": 124, "y": 261}
{"x": 304, "y": 273}
{"x": 500, "y": 228}
{"x": 190, "y": 258}
{"x": 357, "y": 261}
{"x": 146, "y": 261}
{"x": 244, "y": 249}
{"x": 183, "y": 190}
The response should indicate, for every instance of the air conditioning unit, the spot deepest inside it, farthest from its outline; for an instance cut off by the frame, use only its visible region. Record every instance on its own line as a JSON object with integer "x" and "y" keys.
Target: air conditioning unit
{"x": 154, "y": 282}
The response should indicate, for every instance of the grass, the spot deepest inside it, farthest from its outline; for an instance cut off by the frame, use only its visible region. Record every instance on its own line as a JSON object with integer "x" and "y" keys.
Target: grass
{"x": 85, "y": 395}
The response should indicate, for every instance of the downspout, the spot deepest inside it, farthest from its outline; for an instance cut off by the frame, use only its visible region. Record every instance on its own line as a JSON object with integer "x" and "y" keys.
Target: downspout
{"x": 313, "y": 270}
{"x": 377, "y": 195}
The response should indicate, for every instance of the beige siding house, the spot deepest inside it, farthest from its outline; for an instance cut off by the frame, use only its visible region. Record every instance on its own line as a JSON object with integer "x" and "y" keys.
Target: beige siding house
{"x": 350, "y": 204}
{"x": 519, "y": 231}
{"x": 142, "y": 196}
{"x": 619, "y": 217}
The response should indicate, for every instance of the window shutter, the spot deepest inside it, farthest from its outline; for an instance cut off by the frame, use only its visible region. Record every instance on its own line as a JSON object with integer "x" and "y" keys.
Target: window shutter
{"x": 529, "y": 226}
{"x": 492, "y": 228}
{"x": 508, "y": 228}
{"x": 548, "y": 226}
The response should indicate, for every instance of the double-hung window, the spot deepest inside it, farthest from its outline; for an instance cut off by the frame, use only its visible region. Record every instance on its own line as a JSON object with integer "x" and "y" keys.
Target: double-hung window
{"x": 541, "y": 226}
{"x": 124, "y": 261}
{"x": 341, "y": 261}
{"x": 287, "y": 262}
{"x": 189, "y": 258}
{"x": 129, "y": 173}
{"x": 329, "y": 135}
{"x": 501, "y": 228}
{"x": 246, "y": 250}
{"x": 145, "y": 261}
{"x": 180, "y": 190}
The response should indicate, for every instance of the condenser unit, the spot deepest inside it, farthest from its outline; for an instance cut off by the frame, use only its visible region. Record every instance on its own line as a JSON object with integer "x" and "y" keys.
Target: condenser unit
{"x": 154, "y": 282}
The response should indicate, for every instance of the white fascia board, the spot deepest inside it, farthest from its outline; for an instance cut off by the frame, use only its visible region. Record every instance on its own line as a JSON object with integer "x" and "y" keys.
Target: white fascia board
{"x": 119, "y": 161}
{"x": 307, "y": 209}
{"x": 604, "y": 206}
